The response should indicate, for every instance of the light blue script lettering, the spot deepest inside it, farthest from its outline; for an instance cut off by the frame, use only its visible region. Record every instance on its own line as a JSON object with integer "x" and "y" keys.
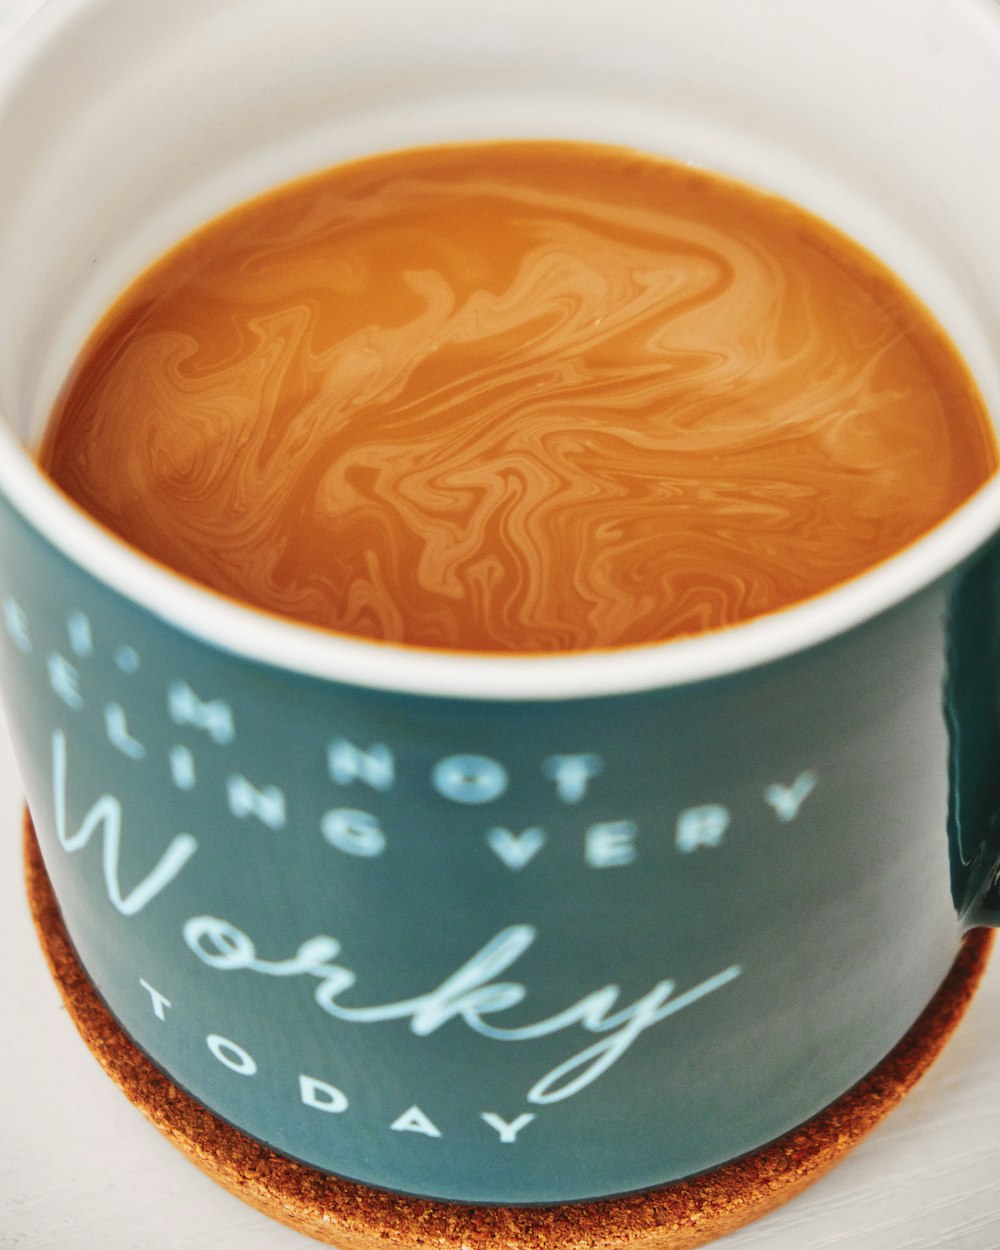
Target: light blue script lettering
{"x": 106, "y": 815}
{"x": 470, "y": 994}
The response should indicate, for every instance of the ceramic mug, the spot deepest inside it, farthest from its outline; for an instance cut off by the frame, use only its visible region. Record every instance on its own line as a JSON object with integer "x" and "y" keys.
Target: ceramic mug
{"x": 510, "y": 929}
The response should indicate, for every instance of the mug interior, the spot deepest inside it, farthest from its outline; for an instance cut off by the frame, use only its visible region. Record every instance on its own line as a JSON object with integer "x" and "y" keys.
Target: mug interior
{"x": 123, "y": 127}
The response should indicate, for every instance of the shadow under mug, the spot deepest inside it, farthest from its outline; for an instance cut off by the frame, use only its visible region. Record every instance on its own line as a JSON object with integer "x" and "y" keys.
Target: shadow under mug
{"x": 512, "y": 929}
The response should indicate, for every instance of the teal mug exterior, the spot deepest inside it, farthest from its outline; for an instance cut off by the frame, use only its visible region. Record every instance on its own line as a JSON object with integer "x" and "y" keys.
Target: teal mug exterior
{"x": 497, "y": 930}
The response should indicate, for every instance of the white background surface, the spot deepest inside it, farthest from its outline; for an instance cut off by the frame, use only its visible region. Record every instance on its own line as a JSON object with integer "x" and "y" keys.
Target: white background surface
{"x": 80, "y": 1169}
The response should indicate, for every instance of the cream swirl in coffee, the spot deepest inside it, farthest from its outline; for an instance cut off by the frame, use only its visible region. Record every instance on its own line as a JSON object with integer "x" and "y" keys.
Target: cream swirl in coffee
{"x": 525, "y": 396}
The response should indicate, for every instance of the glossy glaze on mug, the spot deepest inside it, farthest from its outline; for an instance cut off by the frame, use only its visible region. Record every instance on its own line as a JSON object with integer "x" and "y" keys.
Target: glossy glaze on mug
{"x": 491, "y": 952}
{"x": 498, "y": 929}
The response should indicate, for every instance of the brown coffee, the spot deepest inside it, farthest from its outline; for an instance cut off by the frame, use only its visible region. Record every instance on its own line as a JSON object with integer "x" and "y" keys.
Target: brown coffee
{"x": 519, "y": 397}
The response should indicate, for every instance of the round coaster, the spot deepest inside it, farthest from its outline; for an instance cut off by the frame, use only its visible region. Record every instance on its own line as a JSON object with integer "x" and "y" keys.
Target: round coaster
{"x": 350, "y": 1216}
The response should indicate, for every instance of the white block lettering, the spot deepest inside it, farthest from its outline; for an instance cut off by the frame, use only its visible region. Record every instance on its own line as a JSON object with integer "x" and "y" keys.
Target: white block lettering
{"x": 701, "y": 826}
{"x": 571, "y": 773}
{"x": 232, "y": 1055}
{"x": 515, "y": 849}
{"x": 786, "y": 800}
{"x": 116, "y": 724}
{"x": 127, "y": 659}
{"x": 414, "y": 1121}
{"x": 80, "y": 637}
{"x": 17, "y": 626}
{"x": 322, "y": 1095}
{"x": 182, "y": 768}
{"x": 215, "y": 717}
{"x": 357, "y": 833}
{"x": 610, "y": 844}
{"x": 266, "y": 803}
{"x": 470, "y": 778}
{"x": 508, "y": 1131}
{"x": 65, "y": 680}
{"x": 159, "y": 1001}
{"x": 346, "y": 763}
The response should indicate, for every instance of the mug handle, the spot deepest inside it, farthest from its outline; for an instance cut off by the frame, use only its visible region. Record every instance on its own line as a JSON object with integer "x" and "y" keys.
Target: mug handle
{"x": 985, "y": 909}
{"x": 972, "y": 710}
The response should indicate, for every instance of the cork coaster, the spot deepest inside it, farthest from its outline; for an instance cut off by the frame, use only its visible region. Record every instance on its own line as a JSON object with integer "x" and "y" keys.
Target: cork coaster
{"x": 350, "y": 1216}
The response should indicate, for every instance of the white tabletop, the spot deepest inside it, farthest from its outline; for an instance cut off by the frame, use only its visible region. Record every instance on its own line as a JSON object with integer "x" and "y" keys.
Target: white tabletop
{"x": 80, "y": 1169}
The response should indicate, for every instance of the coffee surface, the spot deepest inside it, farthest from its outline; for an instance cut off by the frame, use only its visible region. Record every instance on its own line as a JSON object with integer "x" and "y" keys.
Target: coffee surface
{"x": 519, "y": 397}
